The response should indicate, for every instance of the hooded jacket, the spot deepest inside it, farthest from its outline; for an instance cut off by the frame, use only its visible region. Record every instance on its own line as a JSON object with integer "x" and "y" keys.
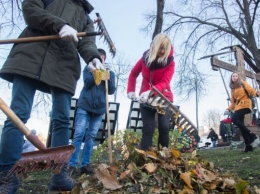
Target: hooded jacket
{"x": 239, "y": 98}
{"x": 92, "y": 97}
{"x": 53, "y": 63}
{"x": 155, "y": 75}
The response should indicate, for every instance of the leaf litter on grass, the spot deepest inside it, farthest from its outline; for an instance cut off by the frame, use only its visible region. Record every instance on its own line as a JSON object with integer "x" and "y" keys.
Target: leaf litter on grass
{"x": 164, "y": 170}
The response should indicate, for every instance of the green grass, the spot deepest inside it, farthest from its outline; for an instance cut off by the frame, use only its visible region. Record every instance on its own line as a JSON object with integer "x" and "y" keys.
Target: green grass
{"x": 242, "y": 165}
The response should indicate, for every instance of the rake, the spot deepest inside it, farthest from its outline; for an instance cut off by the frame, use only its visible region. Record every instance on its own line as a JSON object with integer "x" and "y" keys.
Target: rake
{"x": 44, "y": 158}
{"x": 183, "y": 122}
{"x": 102, "y": 31}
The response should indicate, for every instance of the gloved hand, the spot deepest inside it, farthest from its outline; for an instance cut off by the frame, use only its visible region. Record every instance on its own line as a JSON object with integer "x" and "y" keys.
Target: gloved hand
{"x": 144, "y": 96}
{"x": 68, "y": 33}
{"x": 97, "y": 64}
{"x": 226, "y": 112}
{"x": 132, "y": 96}
{"x": 91, "y": 66}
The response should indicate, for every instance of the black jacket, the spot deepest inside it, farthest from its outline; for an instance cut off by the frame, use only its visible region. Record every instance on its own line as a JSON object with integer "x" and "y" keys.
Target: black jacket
{"x": 53, "y": 63}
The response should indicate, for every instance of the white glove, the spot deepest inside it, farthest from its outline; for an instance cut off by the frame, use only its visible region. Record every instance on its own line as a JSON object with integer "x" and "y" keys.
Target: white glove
{"x": 226, "y": 112}
{"x": 97, "y": 64}
{"x": 131, "y": 95}
{"x": 68, "y": 33}
{"x": 144, "y": 96}
{"x": 91, "y": 66}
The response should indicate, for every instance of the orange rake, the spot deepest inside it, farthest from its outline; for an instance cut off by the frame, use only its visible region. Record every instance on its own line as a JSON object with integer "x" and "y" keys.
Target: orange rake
{"x": 44, "y": 158}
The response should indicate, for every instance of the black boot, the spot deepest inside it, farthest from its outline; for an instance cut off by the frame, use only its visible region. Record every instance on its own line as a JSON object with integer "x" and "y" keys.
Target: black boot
{"x": 248, "y": 148}
{"x": 61, "y": 182}
{"x": 8, "y": 184}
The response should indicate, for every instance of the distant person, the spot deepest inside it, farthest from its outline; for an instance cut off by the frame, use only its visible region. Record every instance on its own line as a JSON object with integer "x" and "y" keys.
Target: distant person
{"x": 157, "y": 68}
{"x": 91, "y": 107}
{"x": 223, "y": 131}
{"x": 213, "y": 136}
{"x": 28, "y": 146}
{"x": 241, "y": 105}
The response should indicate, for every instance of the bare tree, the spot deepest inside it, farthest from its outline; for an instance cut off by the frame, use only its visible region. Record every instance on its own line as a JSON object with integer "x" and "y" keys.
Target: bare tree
{"x": 210, "y": 24}
{"x": 191, "y": 82}
{"x": 121, "y": 66}
{"x": 11, "y": 16}
{"x": 212, "y": 119}
{"x": 203, "y": 26}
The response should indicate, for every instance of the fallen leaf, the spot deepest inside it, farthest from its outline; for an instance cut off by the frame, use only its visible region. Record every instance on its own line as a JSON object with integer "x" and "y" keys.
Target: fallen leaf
{"x": 176, "y": 153}
{"x": 186, "y": 178}
{"x": 150, "y": 167}
{"x": 108, "y": 180}
{"x": 124, "y": 174}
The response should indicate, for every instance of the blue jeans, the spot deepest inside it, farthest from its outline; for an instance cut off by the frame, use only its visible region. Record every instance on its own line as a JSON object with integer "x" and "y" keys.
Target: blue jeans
{"x": 23, "y": 92}
{"x": 214, "y": 144}
{"x": 81, "y": 121}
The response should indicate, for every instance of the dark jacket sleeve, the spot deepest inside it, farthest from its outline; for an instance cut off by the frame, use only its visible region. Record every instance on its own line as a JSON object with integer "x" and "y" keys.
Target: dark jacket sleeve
{"x": 111, "y": 83}
{"x": 87, "y": 45}
{"x": 38, "y": 18}
{"x": 88, "y": 78}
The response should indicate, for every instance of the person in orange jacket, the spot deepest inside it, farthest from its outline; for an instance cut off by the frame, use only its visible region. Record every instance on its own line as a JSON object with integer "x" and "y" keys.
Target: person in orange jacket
{"x": 241, "y": 105}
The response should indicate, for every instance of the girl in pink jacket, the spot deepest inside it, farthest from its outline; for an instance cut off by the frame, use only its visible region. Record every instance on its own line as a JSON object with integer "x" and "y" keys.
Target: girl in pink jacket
{"x": 157, "y": 68}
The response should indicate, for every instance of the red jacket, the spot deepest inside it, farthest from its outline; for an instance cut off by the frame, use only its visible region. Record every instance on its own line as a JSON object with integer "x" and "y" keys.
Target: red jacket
{"x": 160, "y": 77}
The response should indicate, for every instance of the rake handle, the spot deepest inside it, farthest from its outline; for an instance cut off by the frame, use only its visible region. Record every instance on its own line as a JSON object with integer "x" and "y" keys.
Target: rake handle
{"x": 21, "y": 126}
{"x": 45, "y": 38}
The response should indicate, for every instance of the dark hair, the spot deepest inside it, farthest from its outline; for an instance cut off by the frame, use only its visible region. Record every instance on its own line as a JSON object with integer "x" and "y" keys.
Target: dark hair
{"x": 102, "y": 52}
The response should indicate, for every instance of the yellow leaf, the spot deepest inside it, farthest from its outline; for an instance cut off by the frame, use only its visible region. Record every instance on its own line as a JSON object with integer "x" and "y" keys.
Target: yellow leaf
{"x": 97, "y": 74}
{"x": 176, "y": 153}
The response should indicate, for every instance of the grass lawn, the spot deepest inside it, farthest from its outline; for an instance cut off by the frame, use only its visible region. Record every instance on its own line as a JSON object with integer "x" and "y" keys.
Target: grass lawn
{"x": 226, "y": 160}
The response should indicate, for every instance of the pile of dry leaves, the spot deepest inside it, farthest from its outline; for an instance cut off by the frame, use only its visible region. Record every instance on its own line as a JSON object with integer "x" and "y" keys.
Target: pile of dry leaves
{"x": 160, "y": 171}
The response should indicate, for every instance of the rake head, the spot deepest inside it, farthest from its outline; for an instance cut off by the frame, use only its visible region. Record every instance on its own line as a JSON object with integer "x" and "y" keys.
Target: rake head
{"x": 52, "y": 158}
{"x": 107, "y": 39}
{"x": 158, "y": 100}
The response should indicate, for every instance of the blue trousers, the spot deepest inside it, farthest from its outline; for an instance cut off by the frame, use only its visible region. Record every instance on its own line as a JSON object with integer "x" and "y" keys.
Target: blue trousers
{"x": 12, "y": 140}
{"x": 83, "y": 118}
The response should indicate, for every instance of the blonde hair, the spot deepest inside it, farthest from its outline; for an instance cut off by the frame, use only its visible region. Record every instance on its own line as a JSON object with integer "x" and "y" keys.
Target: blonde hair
{"x": 159, "y": 41}
{"x": 236, "y": 84}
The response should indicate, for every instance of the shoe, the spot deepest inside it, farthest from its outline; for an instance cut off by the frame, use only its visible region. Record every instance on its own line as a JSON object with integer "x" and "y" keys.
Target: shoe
{"x": 8, "y": 183}
{"x": 61, "y": 182}
{"x": 256, "y": 142}
{"x": 86, "y": 169}
{"x": 248, "y": 148}
{"x": 72, "y": 170}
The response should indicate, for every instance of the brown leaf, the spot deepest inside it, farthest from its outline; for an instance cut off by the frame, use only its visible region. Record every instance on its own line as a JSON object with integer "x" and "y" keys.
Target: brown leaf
{"x": 186, "y": 178}
{"x": 155, "y": 190}
{"x": 150, "y": 167}
{"x": 125, "y": 173}
{"x": 140, "y": 151}
{"x": 151, "y": 154}
{"x": 131, "y": 166}
{"x": 108, "y": 180}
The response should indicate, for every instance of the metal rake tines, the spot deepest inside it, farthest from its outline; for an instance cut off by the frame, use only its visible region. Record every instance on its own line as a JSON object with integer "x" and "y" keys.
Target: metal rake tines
{"x": 105, "y": 34}
{"x": 183, "y": 119}
{"x": 52, "y": 158}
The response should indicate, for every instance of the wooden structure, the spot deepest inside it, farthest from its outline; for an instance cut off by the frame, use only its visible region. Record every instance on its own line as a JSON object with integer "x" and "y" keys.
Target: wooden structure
{"x": 242, "y": 57}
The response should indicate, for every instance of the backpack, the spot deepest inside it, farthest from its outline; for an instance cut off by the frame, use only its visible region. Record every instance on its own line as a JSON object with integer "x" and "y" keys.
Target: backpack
{"x": 250, "y": 97}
